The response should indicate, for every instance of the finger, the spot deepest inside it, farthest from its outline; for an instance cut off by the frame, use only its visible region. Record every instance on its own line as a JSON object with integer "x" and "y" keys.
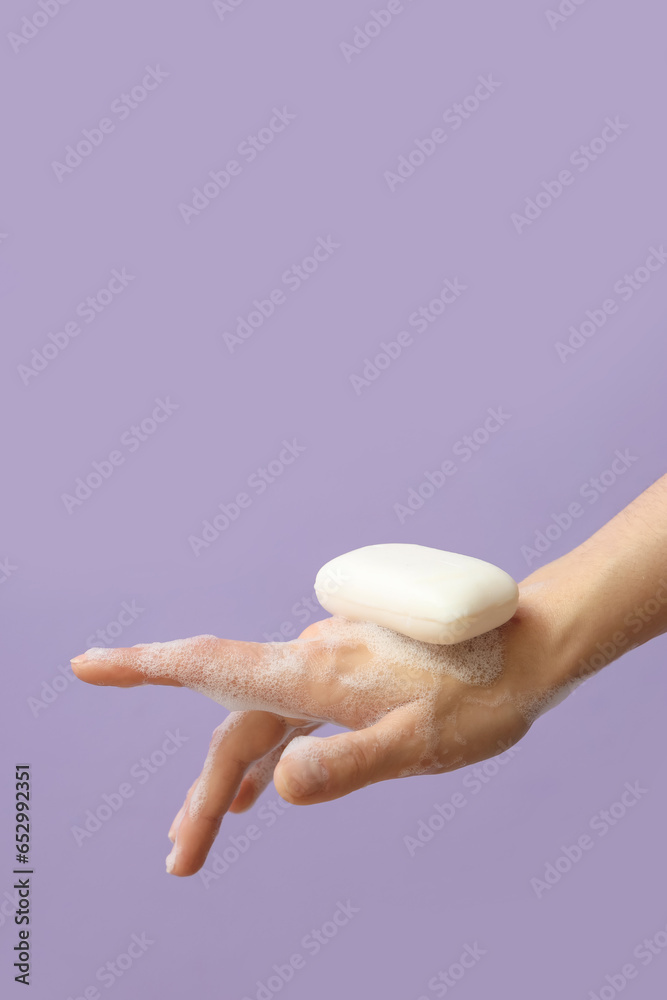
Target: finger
{"x": 242, "y": 676}
{"x": 317, "y": 770}
{"x": 145, "y": 663}
{"x": 173, "y": 829}
{"x": 242, "y": 739}
{"x": 179, "y": 815}
{"x": 260, "y": 775}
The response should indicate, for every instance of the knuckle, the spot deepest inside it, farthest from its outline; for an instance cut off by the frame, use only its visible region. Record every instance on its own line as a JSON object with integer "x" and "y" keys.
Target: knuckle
{"x": 361, "y": 759}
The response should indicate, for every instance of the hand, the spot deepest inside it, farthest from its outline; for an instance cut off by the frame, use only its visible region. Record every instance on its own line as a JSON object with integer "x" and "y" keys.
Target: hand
{"x": 411, "y": 708}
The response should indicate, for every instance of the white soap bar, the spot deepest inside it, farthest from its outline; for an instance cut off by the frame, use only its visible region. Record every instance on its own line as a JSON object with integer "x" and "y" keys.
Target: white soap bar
{"x": 425, "y": 593}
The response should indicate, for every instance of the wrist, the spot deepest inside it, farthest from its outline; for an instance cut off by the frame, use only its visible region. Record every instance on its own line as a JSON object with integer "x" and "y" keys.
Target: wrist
{"x": 580, "y": 605}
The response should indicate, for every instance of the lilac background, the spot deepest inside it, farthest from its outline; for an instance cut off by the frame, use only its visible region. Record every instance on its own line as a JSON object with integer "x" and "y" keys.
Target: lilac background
{"x": 163, "y": 337}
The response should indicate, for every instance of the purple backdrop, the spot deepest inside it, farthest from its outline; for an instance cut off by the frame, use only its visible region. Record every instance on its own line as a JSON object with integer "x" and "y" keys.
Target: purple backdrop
{"x": 500, "y": 167}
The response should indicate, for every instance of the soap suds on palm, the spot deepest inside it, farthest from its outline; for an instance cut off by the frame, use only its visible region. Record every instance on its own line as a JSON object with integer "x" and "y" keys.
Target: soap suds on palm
{"x": 354, "y": 671}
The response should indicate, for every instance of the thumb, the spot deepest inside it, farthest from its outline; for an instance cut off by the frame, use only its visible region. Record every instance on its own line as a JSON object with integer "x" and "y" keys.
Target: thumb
{"x": 314, "y": 770}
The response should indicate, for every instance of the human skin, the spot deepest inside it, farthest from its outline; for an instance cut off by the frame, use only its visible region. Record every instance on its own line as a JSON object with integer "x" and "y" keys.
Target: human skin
{"x": 575, "y": 615}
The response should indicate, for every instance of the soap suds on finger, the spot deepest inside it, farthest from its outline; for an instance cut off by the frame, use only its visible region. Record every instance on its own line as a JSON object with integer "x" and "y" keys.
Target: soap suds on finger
{"x": 363, "y": 669}
{"x": 350, "y": 673}
{"x": 201, "y": 789}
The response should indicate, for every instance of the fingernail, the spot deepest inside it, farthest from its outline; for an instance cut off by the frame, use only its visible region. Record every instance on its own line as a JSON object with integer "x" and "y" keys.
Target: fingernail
{"x": 173, "y": 829}
{"x": 96, "y": 653}
{"x": 171, "y": 860}
{"x": 306, "y": 778}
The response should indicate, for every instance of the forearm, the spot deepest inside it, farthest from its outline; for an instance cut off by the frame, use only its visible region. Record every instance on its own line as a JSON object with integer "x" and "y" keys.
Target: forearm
{"x": 610, "y": 593}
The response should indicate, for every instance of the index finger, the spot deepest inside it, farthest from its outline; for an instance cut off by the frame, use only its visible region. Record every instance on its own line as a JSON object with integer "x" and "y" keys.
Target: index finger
{"x": 241, "y": 676}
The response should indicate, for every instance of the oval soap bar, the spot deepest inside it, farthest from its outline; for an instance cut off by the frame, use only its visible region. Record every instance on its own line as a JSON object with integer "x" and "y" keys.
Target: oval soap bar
{"x": 425, "y": 593}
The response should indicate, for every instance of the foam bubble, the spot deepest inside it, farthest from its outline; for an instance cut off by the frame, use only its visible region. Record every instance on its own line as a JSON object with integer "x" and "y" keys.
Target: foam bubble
{"x": 348, "y": 673}
{"x": 201, "y": 790}
{"x": 302, "y": 748}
